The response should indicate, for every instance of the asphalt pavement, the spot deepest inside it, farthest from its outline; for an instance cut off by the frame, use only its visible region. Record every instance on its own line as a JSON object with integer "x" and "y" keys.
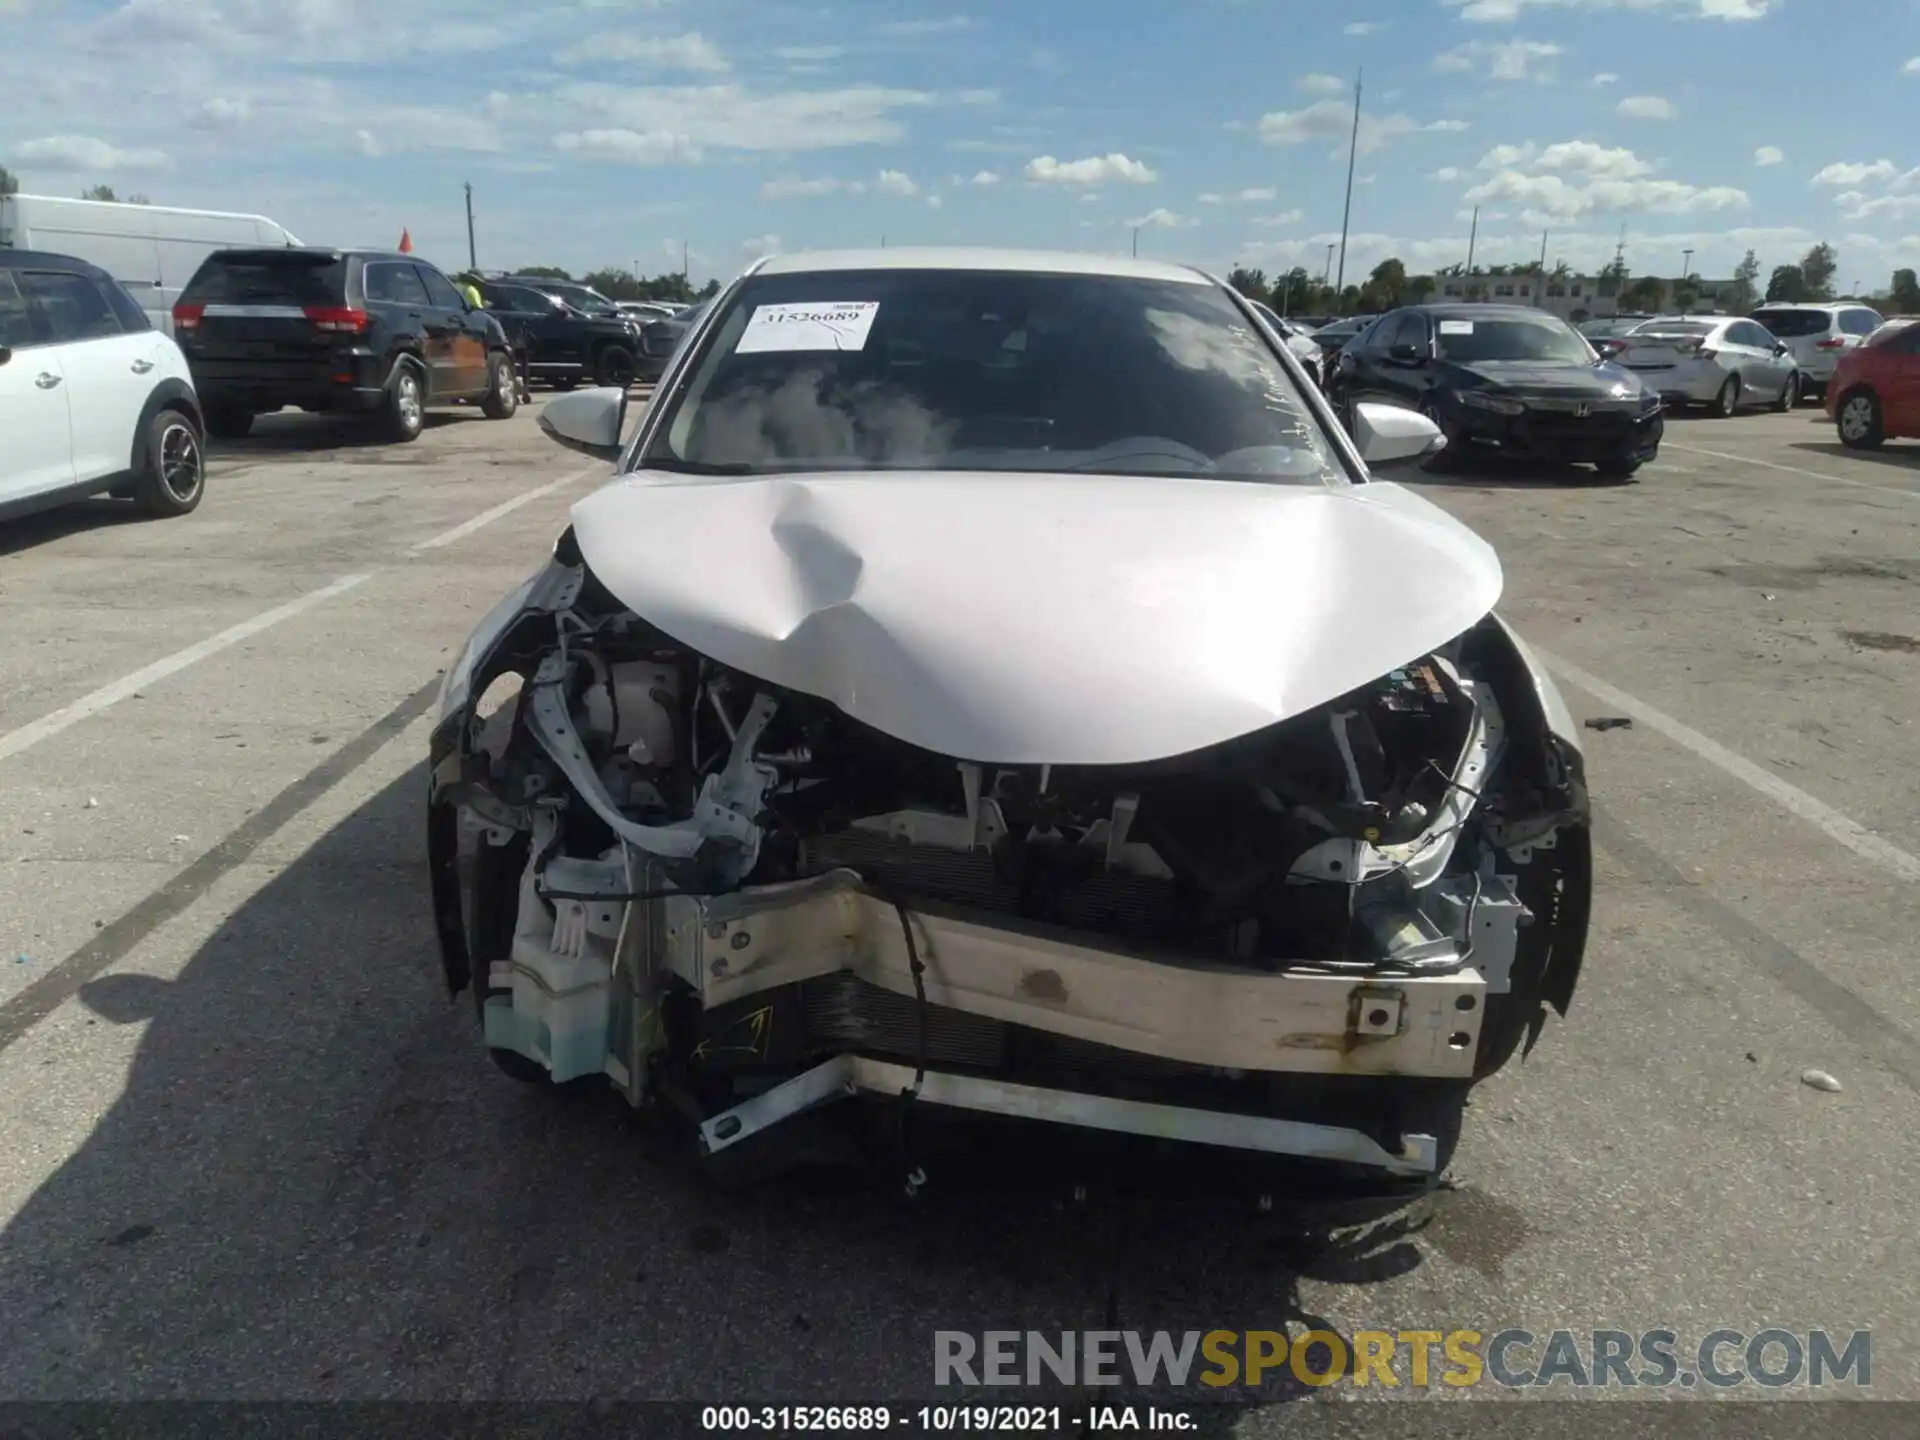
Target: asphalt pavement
{"x": 253, "y": 1150}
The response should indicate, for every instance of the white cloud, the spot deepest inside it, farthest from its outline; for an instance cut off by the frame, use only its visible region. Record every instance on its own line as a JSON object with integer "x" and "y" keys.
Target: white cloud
{"x": 1445, "y": 127}
{"x": 1254, "y": 195}
{"x": 1502, "y": 156}
{"x": 677, "y": 52}
{"x": 368, "y": 144}
{"x": 1280, "y": 221}
{"x": 789, "y": 187}
{"x": 1574, "y": 178}
{"x": 1912, "y": 67}
{"x": 1362, "y": 27}
{"x": 1446, "y": 174}
{"x": 1583, "y": 157}
{"x": 984, "y": 177}
{"x": 1331, "y": 120}
{"x": 1095, "y": 170}
{"x": 1161, "y": 219}
{"x": 733, "y": 117}
{"x": 73, "y": 153}
{"x": 631, "y": 147}
{"x": 945, "y": 25}
{"x": 1844, "y": 172}
{"x": 811, "y": 54}
{"x": 218, "y": 113}
{"x": 1323, "y": 84}
{"x": 1606, "y": 77}
{"x": 896, "y": 182}
{"x": 1502, "y": 60}
{"x": 934, "y": 202}
{"x": 1645, "y": 107}
{"x": 1887, "y": 206}
{"x": 1768, "y": 155}
{"x": 761, "y": 245}
{"x": 1500, "y": 12}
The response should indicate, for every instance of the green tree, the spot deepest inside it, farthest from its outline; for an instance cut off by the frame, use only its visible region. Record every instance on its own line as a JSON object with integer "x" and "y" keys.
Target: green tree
{"x": 1788, "y": 283}
{"x": 1745, "y": 274}
{"x": 547, "y": 272}
{"x": 1905, "y": 292}
{"x": 138, "y": 200}
{"x": 1613, "y": 276}
{"x": 708, "y": 290}
{"x": 1418, "y": 288}
{"x": 1388, "y": 281}
{"x": 9, "y": 182}
{"x": 1817, "y": 268}
{"x": 1646, "y": 293}
{"x": 98, "y": 192}
{"x": 1250, "y": 283}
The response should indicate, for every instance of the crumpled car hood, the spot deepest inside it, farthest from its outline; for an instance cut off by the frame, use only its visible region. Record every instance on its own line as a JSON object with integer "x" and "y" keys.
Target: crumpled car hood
{"x": 1554, "y": 377}
{"x": 1042, "y": 619}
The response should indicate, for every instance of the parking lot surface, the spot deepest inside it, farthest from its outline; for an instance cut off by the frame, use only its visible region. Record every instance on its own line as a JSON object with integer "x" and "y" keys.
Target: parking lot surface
{"x": 255, "y": 1152}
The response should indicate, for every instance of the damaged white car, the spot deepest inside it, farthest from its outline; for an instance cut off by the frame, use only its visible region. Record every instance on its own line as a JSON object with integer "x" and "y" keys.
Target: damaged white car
{"x": 993, "y": 685}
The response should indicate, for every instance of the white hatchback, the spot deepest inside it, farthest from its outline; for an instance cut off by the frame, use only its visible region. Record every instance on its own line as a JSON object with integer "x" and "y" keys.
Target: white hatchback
{"x": 93, "y": 399}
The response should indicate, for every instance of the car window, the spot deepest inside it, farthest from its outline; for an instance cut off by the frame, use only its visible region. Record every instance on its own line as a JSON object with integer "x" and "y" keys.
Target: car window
{"x": 1859, "y": 322}
{"x": 264, "y": 278}
{"x": 440, "y": 291}
{"x": 1511, "y": 337}
{"x": 1001, "y": 371}
{"x": 1795, "y": 324}
{"x": 133, "y": 319}
{"x": 1901, "y": 339}
{"x": 1746, "y": 332}
{"x": 74, "y": 308}
{"x": 17, "y": 328}
{"x": 389, "y": 282}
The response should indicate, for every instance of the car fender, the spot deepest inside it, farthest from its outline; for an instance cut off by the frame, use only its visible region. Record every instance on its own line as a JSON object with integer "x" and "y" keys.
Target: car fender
{"x": 406, "y": 356}
{"x": 170, "y": 394}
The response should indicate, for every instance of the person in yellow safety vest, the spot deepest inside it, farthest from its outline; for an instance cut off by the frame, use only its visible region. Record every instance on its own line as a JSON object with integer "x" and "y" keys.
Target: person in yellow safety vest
{"x": 472, "y": 292}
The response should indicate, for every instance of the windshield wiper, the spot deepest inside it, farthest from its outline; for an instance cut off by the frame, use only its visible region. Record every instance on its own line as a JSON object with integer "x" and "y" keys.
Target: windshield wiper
{"x": 675, "y": 466}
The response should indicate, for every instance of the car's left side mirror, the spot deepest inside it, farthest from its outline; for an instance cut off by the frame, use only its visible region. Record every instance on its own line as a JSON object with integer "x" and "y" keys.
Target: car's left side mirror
{"x": 589, "y": 421}
{"x": 1387, "y": 435}
{"x": 1779, "y": 347}
{"x": 1407, "y": 354}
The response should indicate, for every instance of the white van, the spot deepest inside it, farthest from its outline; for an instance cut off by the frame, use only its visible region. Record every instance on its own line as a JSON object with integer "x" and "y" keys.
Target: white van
{"x": 153, "y": 250}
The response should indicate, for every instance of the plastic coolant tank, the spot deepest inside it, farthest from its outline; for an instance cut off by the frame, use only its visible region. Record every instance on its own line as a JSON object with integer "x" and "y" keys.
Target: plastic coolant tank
{"x": 643, "y": 719}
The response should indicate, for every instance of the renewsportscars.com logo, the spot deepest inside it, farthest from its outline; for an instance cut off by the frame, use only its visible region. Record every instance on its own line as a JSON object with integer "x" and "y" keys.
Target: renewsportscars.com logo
{"x": 1390, "y": 1359}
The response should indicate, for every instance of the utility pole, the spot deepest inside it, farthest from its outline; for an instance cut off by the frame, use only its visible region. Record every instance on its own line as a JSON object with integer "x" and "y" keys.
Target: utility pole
{"x": 1686, "y": 264}
{"x": 1353, "y": 153}
{"x": 686, "y": 278}
{"x": 1473, "y": 234}
{"x": 473, "y": 258}
{"x": 1326, "y": 275}
{"x": 1540, "y": 285}
{"x": 1136, "y": 242}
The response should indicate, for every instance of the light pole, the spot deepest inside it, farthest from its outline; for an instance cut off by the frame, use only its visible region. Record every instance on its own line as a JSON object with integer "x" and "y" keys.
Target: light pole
{"x": 473, "y": 259}
{"x": 1353, "y": 153}
{"x": 1136, "y": 242}
{"x": 1326, "y": 275}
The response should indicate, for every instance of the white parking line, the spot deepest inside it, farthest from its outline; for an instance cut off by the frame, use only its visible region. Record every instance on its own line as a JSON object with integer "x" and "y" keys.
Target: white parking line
{"x": 506, "y": 507}
{"x": 1850, "y": 833}
{"x": 67, "y": 716}
{"x": 47, "y": 726}
{"x": 1794, "y": 470}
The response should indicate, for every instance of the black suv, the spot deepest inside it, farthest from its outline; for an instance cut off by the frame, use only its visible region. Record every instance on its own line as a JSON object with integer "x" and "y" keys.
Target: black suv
{"x": 357, "y": 330}
{"x": 560, "y": 334}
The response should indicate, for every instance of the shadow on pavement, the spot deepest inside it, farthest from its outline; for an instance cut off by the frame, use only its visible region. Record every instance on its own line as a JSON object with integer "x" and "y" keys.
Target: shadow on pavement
{"x": 314, "y": 1185}
{"x": 1900, "y": 457}
{"x": 294, "y": 431}
{"x": 45, "y": 526}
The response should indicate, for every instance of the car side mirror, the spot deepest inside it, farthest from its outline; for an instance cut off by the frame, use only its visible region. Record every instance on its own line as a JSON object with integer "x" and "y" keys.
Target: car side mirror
{"x": 1388, "y": 435}
{"x": 589, "y": 421}
{"x": 1779, "y": 347}
{"x": 1407, "y": 354}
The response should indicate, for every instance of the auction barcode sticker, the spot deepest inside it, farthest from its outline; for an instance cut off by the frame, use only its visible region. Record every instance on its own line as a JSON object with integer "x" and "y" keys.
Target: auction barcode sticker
{"x": 841, "y": 326}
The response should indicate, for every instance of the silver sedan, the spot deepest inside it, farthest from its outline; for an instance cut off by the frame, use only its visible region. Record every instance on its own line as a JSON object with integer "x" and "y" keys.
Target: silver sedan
{"x": 1720, "y": 361}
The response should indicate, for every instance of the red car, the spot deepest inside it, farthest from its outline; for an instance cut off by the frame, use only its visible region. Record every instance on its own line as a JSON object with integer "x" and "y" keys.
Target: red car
{"x": 1875, "y": 392}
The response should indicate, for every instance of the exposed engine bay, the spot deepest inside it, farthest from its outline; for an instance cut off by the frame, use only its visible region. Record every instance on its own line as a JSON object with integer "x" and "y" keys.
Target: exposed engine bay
{"x": 740, "y": 903}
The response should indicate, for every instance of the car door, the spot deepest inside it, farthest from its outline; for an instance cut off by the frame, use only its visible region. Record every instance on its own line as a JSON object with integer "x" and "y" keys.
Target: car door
{"x": 108, "y": 373}
{"x": 1409, "y": 377}
{"x": 1749, "y": 354}
{"x": 1900, "y": 400}
{"x": 398, "y": 300}
{"x": 36, "y": 457}
{"x": 1364, "y": 360}
{"x": 1780, "y": 364}
{"x": 465, "y": 333}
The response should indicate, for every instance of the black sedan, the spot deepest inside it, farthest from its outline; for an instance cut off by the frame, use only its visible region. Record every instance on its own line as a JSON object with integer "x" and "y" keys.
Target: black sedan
{"x": 660, "y": 338}
{"x": 1502, "y": 380}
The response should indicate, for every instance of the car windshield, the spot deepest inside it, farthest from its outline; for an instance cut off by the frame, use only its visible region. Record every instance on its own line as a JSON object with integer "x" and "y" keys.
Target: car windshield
{"x": 1605, "y": 329}
{"x": 989, "y": 370}
{"x": 1674, "y": 327}
{"x": 256, "y": 278}
{"x": 1468, "y": 340}
{"x": 1790, "y": 324}
{"x": 589, "y": 302}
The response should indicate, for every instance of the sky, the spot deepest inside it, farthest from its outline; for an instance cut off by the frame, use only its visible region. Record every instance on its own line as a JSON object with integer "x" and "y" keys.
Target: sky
{"x": 614, "y": 132}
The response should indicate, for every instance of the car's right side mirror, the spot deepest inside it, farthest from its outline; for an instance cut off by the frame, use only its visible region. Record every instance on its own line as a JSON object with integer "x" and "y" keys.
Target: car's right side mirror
{"x": 1388, "y": 435}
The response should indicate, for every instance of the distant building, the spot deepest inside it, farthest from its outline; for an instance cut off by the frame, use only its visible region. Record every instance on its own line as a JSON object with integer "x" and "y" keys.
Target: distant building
{"x": 1577, "y": 297}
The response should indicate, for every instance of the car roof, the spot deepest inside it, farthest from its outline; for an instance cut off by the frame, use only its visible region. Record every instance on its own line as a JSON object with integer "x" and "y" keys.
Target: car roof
{"x": 51, "y": 260}
{"x": 1829, "y": 305}
{"x": 1471, "y": 310}
{"x": 318, "y": 252}
{"x": 962, "y": 257}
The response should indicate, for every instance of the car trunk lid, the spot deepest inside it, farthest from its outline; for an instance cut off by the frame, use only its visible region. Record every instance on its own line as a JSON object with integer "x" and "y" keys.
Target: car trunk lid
{"x": 268, "y": 306}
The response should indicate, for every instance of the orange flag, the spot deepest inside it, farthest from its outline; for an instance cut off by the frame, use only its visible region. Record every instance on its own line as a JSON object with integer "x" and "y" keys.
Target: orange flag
{"x": 406, "y": 241}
